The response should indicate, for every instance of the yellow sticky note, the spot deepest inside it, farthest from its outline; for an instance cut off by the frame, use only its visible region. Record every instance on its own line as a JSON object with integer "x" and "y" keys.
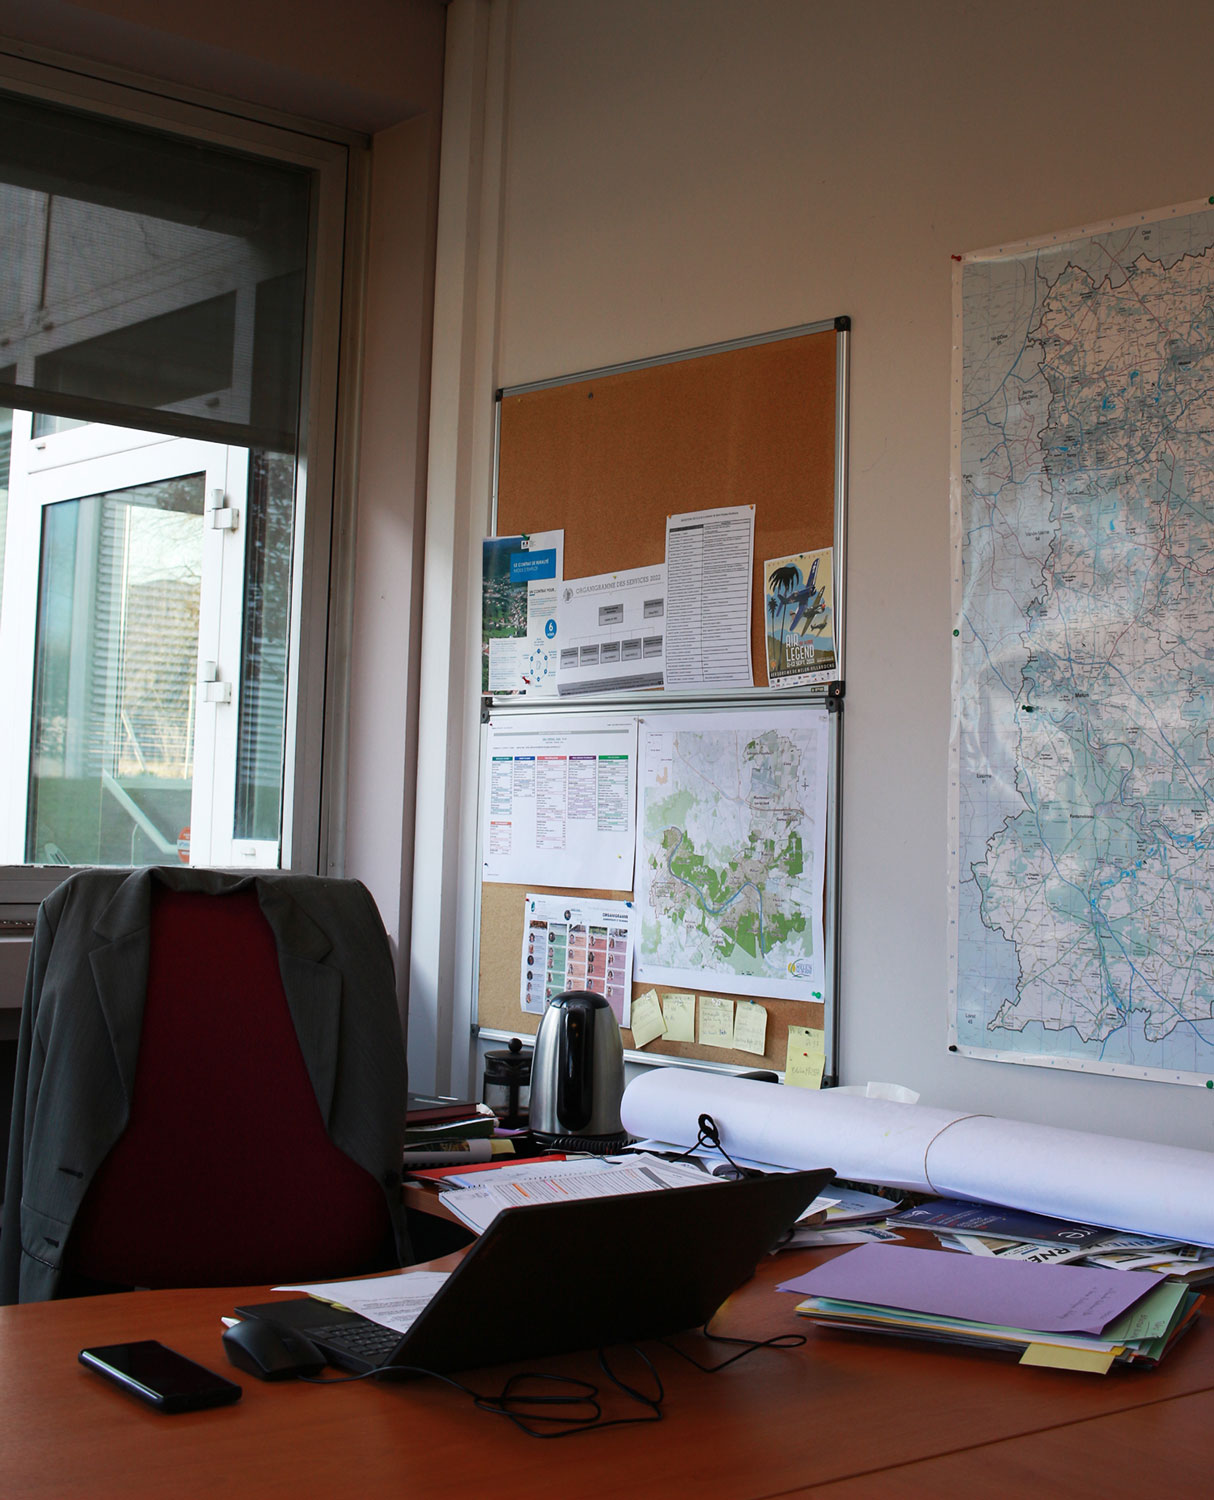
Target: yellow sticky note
{"x": 646, "y": 1020}
{"x": 806, "y": 1060}
{"x": 716, "y": 1021}
{"x": 1055, "y": 1357}
{"x": 750, "y": 1027}
{"x": 679, "y": 1013}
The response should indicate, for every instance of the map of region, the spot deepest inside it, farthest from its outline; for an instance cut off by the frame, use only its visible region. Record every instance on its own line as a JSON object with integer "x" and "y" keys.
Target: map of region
{"x": 1083, "y": 829}
{"x": 731, "y": 842}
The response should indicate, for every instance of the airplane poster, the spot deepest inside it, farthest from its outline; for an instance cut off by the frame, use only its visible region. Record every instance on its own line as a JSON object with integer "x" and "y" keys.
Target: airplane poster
{"x": 800, "y": 602}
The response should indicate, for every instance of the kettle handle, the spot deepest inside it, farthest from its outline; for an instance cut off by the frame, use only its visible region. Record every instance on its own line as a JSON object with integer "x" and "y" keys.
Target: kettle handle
{"x": 575, "y": 1066}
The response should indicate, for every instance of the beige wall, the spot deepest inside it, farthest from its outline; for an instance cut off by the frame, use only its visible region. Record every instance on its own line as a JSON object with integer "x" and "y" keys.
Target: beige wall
{"x": 684, "y": 171}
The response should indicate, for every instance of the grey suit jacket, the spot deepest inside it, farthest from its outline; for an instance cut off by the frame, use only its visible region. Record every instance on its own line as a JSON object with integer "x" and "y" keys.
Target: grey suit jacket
{"x": 82, "y": 1019}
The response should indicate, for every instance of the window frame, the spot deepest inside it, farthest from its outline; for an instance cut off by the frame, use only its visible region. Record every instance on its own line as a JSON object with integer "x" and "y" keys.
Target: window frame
{"x": 322, "y": 582}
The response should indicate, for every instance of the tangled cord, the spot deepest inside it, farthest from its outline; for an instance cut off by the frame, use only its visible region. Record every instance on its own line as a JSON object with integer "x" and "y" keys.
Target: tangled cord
{"x": 521, "y": 1407}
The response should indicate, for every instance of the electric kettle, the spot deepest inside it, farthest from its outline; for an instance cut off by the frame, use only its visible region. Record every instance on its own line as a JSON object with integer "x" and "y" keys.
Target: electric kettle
{"x": 577, "y": 1075}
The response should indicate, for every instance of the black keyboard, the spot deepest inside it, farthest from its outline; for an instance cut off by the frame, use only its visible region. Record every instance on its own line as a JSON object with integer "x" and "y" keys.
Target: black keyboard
{"x": 369, "y": 1341}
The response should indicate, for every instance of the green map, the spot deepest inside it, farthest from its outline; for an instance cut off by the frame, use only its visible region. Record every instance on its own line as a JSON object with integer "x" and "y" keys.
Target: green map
{"x": 731, "y": 832}
{"x": 1083, "y": 830}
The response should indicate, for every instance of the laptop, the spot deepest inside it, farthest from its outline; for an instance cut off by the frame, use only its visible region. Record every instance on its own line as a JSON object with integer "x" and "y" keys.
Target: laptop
{"x": 550, "y": 1278}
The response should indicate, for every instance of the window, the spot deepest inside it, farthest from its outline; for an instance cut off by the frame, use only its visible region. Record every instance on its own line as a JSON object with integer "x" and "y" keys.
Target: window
{"x": 170, "y": 295}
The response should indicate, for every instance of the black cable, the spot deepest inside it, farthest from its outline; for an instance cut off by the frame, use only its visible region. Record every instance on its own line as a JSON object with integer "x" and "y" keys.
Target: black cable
{"x": 779, "y": 1341}
{"x": 710, "y": 1135}
{"x": 520, "y": 1407}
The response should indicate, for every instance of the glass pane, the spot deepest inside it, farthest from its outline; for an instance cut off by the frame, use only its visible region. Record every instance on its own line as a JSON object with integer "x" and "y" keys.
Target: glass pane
{"x": 263, "y": 673}
{"x": 6, "y": 448}
{"x": 161, "y": 360}
{"x": 142, "y": 273}
{"x": 112, "y": 759}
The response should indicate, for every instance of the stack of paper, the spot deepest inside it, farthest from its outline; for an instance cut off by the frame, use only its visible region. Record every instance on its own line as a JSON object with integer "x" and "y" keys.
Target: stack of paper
{"x": 988, "y": 1229}
{"x": 1080, "y": 1318}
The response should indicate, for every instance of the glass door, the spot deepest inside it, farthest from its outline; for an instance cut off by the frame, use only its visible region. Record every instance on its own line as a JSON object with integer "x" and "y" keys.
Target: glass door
{"x": 123, "y": 626}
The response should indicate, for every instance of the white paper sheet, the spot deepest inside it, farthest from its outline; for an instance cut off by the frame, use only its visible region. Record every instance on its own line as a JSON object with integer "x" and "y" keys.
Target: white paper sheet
{"x": 709, "y": 560}
{"x": 611, "y": 631}
{"x": 520, "y": 1171}
{"x": 393, "y": 1301}
{"x": 1124, "y": 1184}
{"x": 577, "y": 943}
{"x": 478, "y": 1207}
{"x": 559, "y": 801}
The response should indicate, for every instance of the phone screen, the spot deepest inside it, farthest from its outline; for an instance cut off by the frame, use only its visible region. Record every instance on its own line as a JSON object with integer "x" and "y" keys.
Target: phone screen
{"x": 155, "y": 1373}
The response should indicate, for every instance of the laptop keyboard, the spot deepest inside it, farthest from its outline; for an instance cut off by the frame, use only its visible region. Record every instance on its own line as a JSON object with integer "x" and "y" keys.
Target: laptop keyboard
{"x": 368, "y": 1341}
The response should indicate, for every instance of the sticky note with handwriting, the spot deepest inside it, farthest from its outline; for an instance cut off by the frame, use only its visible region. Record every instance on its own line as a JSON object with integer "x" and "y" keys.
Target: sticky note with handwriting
{"x": 716, "y": 1021}
{"x": 679, "y": 1013}
{"x": 806, "y": 1060}
{"x": 750, "y": 1027}
{"x": 647, "y": 1022}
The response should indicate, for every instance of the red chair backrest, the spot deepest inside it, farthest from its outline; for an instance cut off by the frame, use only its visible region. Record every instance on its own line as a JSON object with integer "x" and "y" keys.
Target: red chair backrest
{"x": 225, "y": 1174}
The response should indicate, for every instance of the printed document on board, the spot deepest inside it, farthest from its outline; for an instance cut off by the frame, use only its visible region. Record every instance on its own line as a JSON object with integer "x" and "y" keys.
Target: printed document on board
{"x": 560, "y": 801}
{"x": 612, "y": 632}
{"x": 577, "y": 943}
{"x": 521, "y": 579}
{"x": 709, "y": 557}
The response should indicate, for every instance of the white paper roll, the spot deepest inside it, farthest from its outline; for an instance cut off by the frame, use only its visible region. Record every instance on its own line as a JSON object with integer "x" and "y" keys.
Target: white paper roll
{"x": 1071, "y": 1174}
{"x": 1096, "y": 1179}
{"x": 870, "y": 1140}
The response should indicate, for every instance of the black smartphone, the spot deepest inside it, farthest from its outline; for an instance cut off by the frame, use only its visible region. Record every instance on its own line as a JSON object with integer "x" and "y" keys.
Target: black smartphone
{"x": 160, "y": 1376}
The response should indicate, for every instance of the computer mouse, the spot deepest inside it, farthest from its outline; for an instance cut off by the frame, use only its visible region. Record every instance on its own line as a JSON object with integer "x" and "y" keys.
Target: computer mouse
{"x": 271, "y": 1351}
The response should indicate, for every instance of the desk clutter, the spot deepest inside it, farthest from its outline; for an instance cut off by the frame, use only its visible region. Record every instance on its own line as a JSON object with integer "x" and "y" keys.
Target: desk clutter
{"x": 1076, "y": 1294}
{"x": 1136, "y": 1187}
{"x": 440, "y": 1130}
{"x": 1128, "y": 1265}
{"x": 1066, "y": 1317}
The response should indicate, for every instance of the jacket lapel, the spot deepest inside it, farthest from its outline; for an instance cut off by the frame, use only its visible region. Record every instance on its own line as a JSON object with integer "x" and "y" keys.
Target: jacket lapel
{"x": 120, "y": 971}
{"x": 313, "y": 988}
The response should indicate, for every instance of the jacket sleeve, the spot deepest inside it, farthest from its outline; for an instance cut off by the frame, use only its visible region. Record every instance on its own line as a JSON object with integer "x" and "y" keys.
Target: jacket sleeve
{"x": 25, "y": 1099}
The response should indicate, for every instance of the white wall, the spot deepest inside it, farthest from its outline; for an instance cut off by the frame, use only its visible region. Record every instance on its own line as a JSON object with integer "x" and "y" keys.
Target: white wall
{"x": 683, "y": 171}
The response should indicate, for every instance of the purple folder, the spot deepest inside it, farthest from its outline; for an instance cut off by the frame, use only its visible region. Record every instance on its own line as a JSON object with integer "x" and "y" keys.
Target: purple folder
{"x": 979, "y": 1288}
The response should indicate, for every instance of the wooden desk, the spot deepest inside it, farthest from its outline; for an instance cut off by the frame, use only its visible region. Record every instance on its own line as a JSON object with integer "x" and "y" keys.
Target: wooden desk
{"x": 845, "y": 1415}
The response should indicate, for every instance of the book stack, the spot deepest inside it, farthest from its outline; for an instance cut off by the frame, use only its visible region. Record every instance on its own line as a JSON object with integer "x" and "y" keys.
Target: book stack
{"x": 441, "y": 1131}
{"x": 1069, "y": 1317}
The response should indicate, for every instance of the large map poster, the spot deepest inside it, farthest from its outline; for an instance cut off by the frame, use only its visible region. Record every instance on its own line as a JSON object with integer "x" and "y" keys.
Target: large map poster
{"x": 731, "y": 841}
{"x": 1083, "y": 513}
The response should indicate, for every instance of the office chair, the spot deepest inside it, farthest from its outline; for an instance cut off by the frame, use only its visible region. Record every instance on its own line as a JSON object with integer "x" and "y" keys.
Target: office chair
{"x": 211, "y": 1087}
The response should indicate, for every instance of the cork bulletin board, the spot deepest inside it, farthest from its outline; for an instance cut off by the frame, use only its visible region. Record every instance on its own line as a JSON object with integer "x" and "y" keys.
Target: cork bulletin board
{"x": 498, "y": 979}
{"x": 607, "y": 456}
